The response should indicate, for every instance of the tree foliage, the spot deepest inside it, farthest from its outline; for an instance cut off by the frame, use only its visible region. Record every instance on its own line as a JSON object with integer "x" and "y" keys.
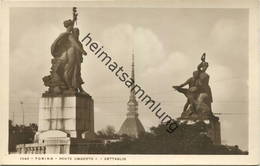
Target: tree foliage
{"x": 20, "y": 134}
{"x": 108, "y": 133}
{"x": 187, "y": 139}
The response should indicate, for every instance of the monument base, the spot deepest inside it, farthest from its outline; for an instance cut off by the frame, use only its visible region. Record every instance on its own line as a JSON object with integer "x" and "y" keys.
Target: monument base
{"x": 73, "y": 115}
{"x": 213, "y": 127}
{"x": 58, "y": 142}
{"x": 62, "y": 119}
{"x": 49, "y": 142}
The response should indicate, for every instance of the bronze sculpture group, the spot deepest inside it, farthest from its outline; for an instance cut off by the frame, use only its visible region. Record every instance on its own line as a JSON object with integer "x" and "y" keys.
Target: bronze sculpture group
{"x": 67, "y": 50}
{"x": 198, "y": 93}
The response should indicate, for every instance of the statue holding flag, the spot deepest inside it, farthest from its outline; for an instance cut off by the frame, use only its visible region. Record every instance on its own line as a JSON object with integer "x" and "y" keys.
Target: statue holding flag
{"x": 67, "y": 50}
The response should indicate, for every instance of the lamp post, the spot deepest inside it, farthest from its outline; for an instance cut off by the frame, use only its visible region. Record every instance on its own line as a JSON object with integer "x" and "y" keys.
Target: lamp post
{"x": 23, "y": 128}
{"x": 22, "y": 110}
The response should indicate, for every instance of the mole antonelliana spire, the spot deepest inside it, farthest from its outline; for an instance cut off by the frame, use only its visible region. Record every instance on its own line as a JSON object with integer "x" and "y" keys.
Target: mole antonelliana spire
{"x": 132, "y": 126}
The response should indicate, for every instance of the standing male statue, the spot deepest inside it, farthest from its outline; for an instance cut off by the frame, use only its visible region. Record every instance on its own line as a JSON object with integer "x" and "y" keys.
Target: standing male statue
{"x": 67, "y": 51}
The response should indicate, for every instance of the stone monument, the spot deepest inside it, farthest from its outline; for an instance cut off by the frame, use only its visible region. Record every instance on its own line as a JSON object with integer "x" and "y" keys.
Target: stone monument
{"x": 199, "y": 99}
{"x": 66, "y": 111}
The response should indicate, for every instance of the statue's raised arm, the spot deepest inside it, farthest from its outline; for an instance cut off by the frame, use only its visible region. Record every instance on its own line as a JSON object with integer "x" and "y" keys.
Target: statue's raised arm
{"x": 75, "y": 15}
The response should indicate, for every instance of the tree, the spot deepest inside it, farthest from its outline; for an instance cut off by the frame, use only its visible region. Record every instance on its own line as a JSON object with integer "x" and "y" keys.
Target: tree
{"x": 108, "y": 133}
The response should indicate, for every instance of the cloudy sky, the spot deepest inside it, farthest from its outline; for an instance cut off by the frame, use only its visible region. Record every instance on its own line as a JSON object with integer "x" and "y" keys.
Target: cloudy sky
{"x": 167, "y": 44}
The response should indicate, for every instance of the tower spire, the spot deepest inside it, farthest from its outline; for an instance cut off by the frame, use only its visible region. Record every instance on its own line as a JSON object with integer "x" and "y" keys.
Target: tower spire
{"x": 132, "y": 90}
{"x": 132, "y": 126}
{"x": 133, "y": 65}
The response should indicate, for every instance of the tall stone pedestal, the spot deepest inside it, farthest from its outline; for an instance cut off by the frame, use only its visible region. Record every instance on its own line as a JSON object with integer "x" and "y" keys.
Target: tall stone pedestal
{"x": 73, "y": 115}
{"x": 62, "y": 120}
{"x": 213, "y": 127}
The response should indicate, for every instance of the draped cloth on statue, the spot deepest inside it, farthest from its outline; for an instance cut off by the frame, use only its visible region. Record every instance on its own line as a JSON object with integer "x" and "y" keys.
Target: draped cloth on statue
{"x": 66, "y": 67}
{"x": 60, "y": 45}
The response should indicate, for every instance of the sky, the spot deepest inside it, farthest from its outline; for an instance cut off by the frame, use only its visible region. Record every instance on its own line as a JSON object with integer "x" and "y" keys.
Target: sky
{"x": 167, "y": 43}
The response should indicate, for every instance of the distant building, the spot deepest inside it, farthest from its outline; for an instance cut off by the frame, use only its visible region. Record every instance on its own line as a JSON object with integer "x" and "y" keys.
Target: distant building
{"x": 132, "y": 126}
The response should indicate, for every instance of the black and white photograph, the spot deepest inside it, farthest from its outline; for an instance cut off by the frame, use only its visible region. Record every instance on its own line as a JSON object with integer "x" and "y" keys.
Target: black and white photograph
{"x": 102, "y": 82}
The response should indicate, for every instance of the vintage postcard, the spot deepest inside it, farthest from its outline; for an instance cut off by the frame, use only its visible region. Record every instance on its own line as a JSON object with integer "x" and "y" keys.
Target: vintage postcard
{"x": 130, "y": 82}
